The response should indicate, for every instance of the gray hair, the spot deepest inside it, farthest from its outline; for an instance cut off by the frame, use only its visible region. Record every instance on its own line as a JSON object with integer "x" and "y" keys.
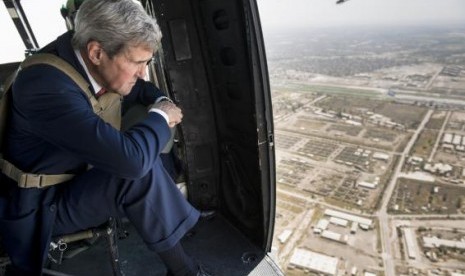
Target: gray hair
{"x": 115, "y": 24}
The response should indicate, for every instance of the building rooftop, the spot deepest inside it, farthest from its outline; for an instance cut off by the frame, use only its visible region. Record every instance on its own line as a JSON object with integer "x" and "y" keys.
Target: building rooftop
{"x": 314, "y": 261}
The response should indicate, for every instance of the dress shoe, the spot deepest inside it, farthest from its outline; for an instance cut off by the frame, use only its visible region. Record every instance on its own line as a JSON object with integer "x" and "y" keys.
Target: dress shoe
{"x": 201, "y": 271}
{"x": 207, "y": 215}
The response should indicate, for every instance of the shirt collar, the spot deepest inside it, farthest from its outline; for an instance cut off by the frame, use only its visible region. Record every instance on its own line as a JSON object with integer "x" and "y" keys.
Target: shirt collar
{"x": 93, "y": 82}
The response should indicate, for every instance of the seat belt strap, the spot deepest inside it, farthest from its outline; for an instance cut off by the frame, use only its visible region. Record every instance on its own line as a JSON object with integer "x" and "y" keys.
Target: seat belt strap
{"x": 29, "y": 180}
{"x": 66, "y": 68}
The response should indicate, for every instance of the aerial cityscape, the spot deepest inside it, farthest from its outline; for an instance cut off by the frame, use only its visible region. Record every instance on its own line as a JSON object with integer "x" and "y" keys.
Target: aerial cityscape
{"x": 370, "y": 150}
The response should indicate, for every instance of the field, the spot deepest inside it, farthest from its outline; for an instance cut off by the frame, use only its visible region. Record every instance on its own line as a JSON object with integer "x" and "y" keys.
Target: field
{"x": 408, "y": 115}
{"x": 354, "y": 156}
{"x": 346, "y": 129}
{"x": 436, "y": 121}
{"x": 286, "y": 141}
{"x": 347, "y": 104}
{"x": 413, "y": 196}
{"x": 323, "y": 183}
{"x": 292, "y": 172}
{"x": 305, "y": 124}
{"x": 318, "y": 149}
{"x": 425, "y": 143}
{"x": 456, "y": 122}
{"x": 383, "y": 135}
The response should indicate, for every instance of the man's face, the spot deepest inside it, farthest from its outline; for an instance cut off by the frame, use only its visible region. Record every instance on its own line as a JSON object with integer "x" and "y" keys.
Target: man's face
{"x": 120, "y": 73}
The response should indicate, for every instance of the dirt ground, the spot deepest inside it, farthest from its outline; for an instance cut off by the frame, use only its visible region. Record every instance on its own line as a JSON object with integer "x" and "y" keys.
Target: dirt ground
{"x": 421, "y": 198}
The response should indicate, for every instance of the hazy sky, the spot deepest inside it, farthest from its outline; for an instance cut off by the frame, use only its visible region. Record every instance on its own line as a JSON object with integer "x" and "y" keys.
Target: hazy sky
{"x": 47, "y": 24}
{"x": 298, "y": 13}
{"x": 46, "y": 21}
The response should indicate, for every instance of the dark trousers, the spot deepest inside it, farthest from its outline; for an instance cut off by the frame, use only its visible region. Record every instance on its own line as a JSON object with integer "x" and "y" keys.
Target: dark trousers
{"x": 153, "y": 203}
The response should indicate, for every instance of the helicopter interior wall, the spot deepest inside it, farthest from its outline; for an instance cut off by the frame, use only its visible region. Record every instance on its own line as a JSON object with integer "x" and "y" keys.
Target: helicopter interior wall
{"x": 5, "y": 71}
{"x": 208, "y": 67}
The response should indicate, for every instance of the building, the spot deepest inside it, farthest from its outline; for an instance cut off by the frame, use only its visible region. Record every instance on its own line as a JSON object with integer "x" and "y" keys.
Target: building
{"x": 364, "y": 226}
{"x": 457, "y": 140}
{"x": 381, "y": 156}
{"x": 447, "y": 138}
{"x": 314, "y": 262}
{"x": 438, "y": 168}
{"x": 321, "y": 226}
{"x": 409, "y": 237}
{"x": 284, "y": 235}
{"x": 353, "y": 228}
{"x": 349, "y": 217}
{"x": 415, "y": 160}
{"x": 330, "y": 235}
{"x": 448, "y": 146}
{"x": 368, "y": 185}
{"x": 352, "y": 122}
{"x": 451, "y": 71}
{"x": 422, "y": 176}
{"x": 434, "y": 242}
{"x": 339, "y": 221}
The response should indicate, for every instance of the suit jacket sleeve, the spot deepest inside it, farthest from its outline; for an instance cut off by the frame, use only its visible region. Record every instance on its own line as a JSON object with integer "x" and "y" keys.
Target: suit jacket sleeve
{"x": 144, "y": 93}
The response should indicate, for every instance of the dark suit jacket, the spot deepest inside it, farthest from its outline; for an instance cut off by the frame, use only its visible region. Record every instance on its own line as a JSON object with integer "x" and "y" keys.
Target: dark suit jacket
{"x": 52, "y": 130}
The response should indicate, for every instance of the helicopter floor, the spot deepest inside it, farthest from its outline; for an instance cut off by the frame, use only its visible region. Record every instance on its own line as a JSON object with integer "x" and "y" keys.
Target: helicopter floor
{"x": 215, "y": 243}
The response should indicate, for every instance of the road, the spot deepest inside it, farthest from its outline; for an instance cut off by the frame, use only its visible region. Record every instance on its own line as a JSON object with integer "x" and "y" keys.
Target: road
{"x": 303, "y": 223}
{"x": 385, "y": 234}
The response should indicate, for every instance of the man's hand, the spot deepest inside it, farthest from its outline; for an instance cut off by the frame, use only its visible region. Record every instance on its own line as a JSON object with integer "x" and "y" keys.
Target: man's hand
{"x": 174, "y": 113}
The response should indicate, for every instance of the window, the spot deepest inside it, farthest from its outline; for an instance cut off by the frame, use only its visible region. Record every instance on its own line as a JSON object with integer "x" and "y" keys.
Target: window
{"x": 368, "y": 100}
{"x": 45, "y": 28}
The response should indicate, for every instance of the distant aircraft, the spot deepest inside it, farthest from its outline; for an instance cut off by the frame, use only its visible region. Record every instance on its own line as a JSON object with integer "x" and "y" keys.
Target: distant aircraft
{"x": 341, "y": 1}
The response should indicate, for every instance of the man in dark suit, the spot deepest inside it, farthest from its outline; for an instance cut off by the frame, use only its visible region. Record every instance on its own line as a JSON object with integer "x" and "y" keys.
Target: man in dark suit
{"x": 54, "y": 130}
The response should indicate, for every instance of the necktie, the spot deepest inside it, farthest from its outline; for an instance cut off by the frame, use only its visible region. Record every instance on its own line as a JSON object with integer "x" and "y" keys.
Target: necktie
{"x": 100, "y": 92}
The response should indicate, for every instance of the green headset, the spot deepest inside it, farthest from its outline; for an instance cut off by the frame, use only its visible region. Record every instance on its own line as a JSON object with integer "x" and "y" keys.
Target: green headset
{"x": 68, "y": 11}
